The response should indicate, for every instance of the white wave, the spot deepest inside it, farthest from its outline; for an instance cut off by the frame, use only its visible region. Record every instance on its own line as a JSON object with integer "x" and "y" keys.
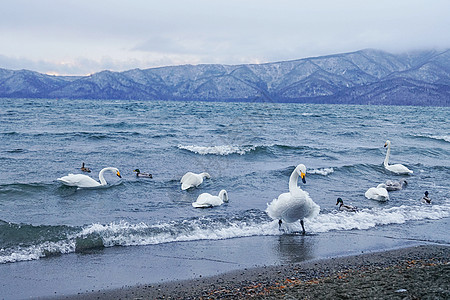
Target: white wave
{"x": 441, "y": 137}
{"x": 369, "y": 218}
{"x": 140, "y": 234}
{"x": 36, "y": 251}
{"x": 323, "y": 171}
{"x": 218, "y": 150}
{"x": 436, "y": 137}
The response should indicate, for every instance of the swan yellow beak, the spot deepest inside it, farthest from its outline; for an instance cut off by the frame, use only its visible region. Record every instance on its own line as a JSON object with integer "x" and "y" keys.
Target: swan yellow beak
{"x": 118, "y": 174}
{"x": 385, "y": 145}
{"x": 303, "y": 175}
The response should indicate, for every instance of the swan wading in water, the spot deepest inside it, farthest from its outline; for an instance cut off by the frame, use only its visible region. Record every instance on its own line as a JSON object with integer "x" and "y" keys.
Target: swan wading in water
{"x": 392, "y": 185}
{"x": 344, "y": 207}
{"x": 85, "y": 169}
{"x": 295, "y": 205}
{"x": 84, "y": 181}
{"x": 145, "y": 175}
{"x": 379, "y": 193}
{"x": 207, "y": 200}
{"x": 396, "y": 168}
{"x": 192, "y": 180}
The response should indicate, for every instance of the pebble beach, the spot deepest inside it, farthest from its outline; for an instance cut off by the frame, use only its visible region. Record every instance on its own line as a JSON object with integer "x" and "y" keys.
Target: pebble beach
{"x": 420, "y": 272}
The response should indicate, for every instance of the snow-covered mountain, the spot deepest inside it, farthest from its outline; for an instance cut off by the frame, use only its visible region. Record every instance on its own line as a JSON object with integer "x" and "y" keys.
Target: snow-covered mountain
{"x": 362, "y": 77}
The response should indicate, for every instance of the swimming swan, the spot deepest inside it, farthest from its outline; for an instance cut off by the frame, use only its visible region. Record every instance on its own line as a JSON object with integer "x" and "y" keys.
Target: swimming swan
{"x": 379, "y": 193}
{"x": 345, "y": 207}
{"x": 295, "y": 205}
{"x": 192, "y": 180}
{"x": 208, "y": 200}
{"x": 84, "y": 181}
{"x": 392, "y": 185}
{"x": 397, "y": 168}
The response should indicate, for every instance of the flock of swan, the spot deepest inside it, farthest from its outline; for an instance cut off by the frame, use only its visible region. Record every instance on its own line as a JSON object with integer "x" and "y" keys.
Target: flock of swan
{"x": 295, "y": 205}
{"x": 380, "y": 193}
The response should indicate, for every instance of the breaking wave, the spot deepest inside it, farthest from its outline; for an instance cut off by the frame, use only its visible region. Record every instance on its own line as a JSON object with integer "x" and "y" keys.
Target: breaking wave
{"x": 55, "y": 240}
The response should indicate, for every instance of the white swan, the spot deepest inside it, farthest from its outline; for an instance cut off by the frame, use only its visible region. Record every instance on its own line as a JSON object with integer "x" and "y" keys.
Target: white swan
{"x": 379, "y": 193}
{"x": 397, "y": 168}
{"x": 84, "y": 181}
{"x": 208, "y": 200}
{"x": 192, "y": 180}
{"x": 345, "y": 207}
{"x": 295, "y": 205}
{"x": 392, "y": 185}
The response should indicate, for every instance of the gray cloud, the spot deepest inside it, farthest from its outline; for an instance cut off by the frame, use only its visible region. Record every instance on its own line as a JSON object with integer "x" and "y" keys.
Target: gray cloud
{"x": 80, "y": 37}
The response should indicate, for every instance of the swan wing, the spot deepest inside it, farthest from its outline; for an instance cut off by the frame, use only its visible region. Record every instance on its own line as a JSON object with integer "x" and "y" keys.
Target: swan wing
{"x": 78, "y": 180}
{"x": 207, "y": 200}
{"x": 399, "y": 169}
{"x": 276, "y": 208}
{"x": 305, "y": 207}
{"x": 380, "y": 194}
{"x": 292, "y": 207}
{"x": 190, "y": 180}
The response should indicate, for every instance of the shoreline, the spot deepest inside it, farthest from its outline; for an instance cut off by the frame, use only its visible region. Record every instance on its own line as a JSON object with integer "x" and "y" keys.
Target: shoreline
{"x": 427, "y": 268}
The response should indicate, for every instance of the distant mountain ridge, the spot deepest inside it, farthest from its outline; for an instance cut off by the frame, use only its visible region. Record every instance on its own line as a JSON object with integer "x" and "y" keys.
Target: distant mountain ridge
{"x": 362, "y": 77}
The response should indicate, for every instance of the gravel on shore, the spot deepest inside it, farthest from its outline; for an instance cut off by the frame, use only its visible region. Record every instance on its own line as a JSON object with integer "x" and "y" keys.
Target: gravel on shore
{"x": 421, "y": 272}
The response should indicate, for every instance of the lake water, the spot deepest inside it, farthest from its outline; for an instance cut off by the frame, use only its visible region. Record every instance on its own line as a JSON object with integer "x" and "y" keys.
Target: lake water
{"x": 249, "y": 149}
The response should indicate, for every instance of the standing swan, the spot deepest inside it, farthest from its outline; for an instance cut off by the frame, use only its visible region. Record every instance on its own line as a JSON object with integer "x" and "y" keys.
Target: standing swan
{"x": 295, "y": 205}
{"x": 84, "y": 181}
{"x": 397, "y": 168}
{"x": 208, "y": 200}
{"x": 192, "y": 180}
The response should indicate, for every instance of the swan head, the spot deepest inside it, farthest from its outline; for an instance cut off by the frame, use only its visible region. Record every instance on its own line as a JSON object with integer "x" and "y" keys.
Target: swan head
{"x": 339, "y": 200}
{"x": 301, "y": 170}
{"x": 388, "y": 142}
{"x": 223, "y": 195}
{"x": 204, "y": 174}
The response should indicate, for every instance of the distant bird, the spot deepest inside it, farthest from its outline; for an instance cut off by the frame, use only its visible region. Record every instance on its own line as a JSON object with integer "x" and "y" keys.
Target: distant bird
{"x": 396, "y": 168}
{"x": 426, "y": 199}
{"x": 84, "y": 169}
{"x": 392, "y": 185}
{"x": 207, "y": 200}
{"x": 145, "y": 175}
{"x": 192, "y": 180}
{"x": 344, "y": 207}
{"x": 379, "y": 193}
{"x": 295, "y": 205}
{"x": 84, "y": 181}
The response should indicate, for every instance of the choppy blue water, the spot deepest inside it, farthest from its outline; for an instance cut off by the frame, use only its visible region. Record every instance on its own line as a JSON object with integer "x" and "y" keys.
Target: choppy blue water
{"x": 249, "y": 149}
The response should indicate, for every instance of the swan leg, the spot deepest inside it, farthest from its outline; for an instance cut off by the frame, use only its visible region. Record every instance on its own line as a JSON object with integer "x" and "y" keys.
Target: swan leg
{"x": 279, "y": 224}
{"x": 303, "y": 227}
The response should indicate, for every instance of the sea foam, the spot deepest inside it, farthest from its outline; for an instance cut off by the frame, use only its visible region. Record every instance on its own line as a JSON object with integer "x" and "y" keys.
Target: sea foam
{"x": 218, "y": 150}
{"x": 256, "y": 223}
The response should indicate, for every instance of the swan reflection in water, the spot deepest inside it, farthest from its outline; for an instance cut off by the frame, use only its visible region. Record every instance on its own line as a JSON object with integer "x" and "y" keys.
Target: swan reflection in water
{"x": 295, "y": 248}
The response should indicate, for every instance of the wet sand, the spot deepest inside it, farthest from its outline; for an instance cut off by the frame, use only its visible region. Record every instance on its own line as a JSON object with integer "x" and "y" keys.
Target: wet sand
{"x": 421, "y": 272}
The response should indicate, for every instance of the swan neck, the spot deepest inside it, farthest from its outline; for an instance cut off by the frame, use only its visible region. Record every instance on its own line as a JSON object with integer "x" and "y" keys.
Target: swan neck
{"x": 223, "y": 196}
{"x": 101, "y": 177}
{"x": 293, "y": 181}
{"x": 388, "y": 152}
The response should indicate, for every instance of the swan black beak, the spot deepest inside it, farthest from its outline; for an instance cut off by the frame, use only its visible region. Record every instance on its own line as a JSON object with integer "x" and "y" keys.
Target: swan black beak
{"x": 303, "y": 176}
{"x": 118, "y": 174}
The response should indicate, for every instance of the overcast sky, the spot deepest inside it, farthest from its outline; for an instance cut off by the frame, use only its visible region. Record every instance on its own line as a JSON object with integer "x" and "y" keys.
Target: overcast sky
{"x": 79, "y": 37}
